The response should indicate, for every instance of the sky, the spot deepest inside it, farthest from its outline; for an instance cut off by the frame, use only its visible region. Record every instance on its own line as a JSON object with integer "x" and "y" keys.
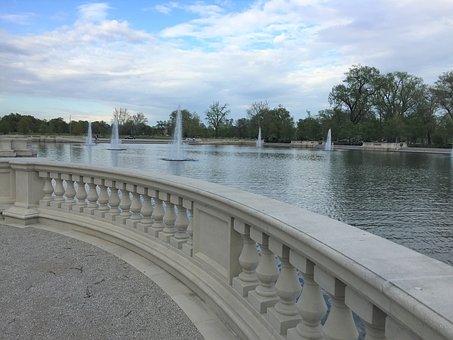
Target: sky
{"x": 81, "y": 59}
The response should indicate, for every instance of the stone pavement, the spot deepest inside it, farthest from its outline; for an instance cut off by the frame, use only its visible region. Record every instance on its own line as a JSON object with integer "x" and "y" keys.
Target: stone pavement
{"x": 56, "y": 287}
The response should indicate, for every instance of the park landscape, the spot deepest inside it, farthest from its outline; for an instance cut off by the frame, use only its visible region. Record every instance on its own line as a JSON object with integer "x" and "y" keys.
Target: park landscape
{"x": 218, "y": 209}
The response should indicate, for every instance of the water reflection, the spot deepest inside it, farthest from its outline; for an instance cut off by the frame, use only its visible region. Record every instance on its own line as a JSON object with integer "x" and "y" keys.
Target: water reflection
{"x": 406, "y": 198}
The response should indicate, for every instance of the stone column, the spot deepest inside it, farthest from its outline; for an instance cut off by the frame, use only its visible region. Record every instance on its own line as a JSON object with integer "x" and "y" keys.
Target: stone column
{"x": 114, "y": 201}
{"x": 284, "y": 314}
{"x": 311, "y": 304}
{"x": 29, "y": 191}
{"x": 69, "y": 193}
{"x": 81, "y": 194}
{"x": 157, "y": 216}
{"x": 136, "y": 207}
{"x": 181, "y": 224}
{"x": 103, "y": 199}
{"x": 169, "y": 219}
{"x": 147, "y": 209}
{"x": 188, "y": 246}
{"x": 92, "y": 196}
{"x": 247, "y": 280}
{"x": 125, "y": 205}
{"x": 47, "y": 189}
{"x": 339, "y": 324}
{"x": 58, "y": 191}
{"x": 265, "y": 294}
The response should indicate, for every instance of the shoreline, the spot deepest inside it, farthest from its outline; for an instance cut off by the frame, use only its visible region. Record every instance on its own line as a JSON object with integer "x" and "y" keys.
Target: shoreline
{"x": 81, "y": 140}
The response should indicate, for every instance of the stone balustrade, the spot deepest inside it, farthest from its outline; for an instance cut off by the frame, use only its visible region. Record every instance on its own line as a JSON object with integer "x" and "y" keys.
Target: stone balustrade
{"x": 16, "y": 146}
{"x": 269, "y": 270}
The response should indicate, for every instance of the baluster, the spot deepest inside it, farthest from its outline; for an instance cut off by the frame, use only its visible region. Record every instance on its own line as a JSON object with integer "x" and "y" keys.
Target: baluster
{"x": 372, "y": 317}
{"x": 169, "y": 218}
{"x": 188, "y": 246}
{"x": 158, "y": 215}
{"x": 114, "y": 201}
{"x": 181, "y": 224}
{"x": 124, "y": 205}
{"x": 81, "y": 194}
{"x": 69, "y": 193}
{"x": 92, "y": 196}
{"x": 339, "y": 324}
{"x": 58, "y": 191}
{"x": 265, "y": 294}
{"x": 135, "y": 208}
{"x": 311, "y": 304}
{"x": 147, "y": 209}
{"x": 247, "y": 280}
{"x": 103, "y": 198}
{"x": 284, "y": 314}
{"x": 47, "y": 189}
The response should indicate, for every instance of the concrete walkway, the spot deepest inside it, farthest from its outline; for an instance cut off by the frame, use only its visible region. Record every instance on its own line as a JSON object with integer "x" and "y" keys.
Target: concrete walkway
{"x": 54, "y": 286}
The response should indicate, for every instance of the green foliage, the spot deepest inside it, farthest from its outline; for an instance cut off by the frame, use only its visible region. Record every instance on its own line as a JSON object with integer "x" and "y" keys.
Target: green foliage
{"x": 216, "y": 117}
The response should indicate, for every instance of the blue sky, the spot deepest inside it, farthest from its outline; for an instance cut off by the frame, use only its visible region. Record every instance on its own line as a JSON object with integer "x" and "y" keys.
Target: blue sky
{"x": 84, "y": 58}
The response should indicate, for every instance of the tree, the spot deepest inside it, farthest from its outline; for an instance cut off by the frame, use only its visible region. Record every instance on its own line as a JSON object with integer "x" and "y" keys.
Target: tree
{"x": 256, "y": 113}
{"x": 277, "y": 125}
{"x": 26, "y": 124}
{"x": 139, "y": 122}
{"x": 122, "y": 115}
{"x": 216, "y": 116}
{"x": 443, "y": 92}
{"x": 58, "y": 125}
{"x": 356, "y": 94}
{"x": 308, "y": 129}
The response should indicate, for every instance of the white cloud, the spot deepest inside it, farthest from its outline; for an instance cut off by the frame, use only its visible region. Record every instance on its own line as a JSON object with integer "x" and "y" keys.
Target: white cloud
{"x": 17, "y": 18}
{"x": 93, "y": 12}
{"x": 285, "y": 52}
{"x": 167, "y": 7}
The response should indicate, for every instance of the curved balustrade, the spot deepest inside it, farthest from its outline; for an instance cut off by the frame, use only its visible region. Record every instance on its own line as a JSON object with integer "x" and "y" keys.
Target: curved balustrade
{"x": 244, "y": 254}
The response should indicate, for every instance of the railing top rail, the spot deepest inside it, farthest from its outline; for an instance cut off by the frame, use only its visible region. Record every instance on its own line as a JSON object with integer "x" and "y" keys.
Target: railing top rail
{"x": 395, "y": 274}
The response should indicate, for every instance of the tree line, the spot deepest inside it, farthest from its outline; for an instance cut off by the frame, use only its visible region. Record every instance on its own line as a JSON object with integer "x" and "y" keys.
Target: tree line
{"x": 366, "y": 106}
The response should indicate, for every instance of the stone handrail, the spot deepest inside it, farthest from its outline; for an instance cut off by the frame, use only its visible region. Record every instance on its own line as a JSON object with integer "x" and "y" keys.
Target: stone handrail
{"x": 244, "y": 254}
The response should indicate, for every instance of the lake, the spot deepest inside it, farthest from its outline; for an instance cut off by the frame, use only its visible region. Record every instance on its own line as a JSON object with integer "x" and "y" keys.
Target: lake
{"x": 403, "y": 197}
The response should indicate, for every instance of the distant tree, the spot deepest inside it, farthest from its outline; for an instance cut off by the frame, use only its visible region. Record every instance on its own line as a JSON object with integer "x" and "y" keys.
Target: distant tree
{"x": 9, "y": 123}
{"x": 162, "y": 127}
{"x": 58, "y": 125}
{"x": 355, "y": 96}
{"x": 309, "y": 129}
{"x": 139, "y": 122}
{"x": 216, "y": 116}
{"x": 443, "y": 92}
{"x": 255, "y": 114}
{"x": 26, "y": 124}
{"x": 243, "y": 129}
{"x": 122, "y": 114}
{"x": 277, "y": 125}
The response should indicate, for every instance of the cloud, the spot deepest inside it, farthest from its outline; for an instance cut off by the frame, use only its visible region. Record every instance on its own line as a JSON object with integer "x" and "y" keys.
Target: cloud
{"x": 166, "y": 8}
{"x": 93, "y": 12}
{"x": 18, "y": 18}
{"x": 286, "y": 52}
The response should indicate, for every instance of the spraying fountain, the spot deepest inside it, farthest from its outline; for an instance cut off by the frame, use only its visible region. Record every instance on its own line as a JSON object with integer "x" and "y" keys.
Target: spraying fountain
{"x": 328, "y": 146}
{"x": 176, "y": 150}
{"x": 259, "y": 141}
{"x": 89, "y": 139}
{"x": 115, "y": 142}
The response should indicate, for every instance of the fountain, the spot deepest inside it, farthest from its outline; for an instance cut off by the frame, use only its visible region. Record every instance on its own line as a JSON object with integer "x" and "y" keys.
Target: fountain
{"x": 176, "y": 150}
{"x": 328, "y": 146}
{"x": 89, "y": 139}
{"x": 115, "y": 142}
{"x": 259, "y": 141}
